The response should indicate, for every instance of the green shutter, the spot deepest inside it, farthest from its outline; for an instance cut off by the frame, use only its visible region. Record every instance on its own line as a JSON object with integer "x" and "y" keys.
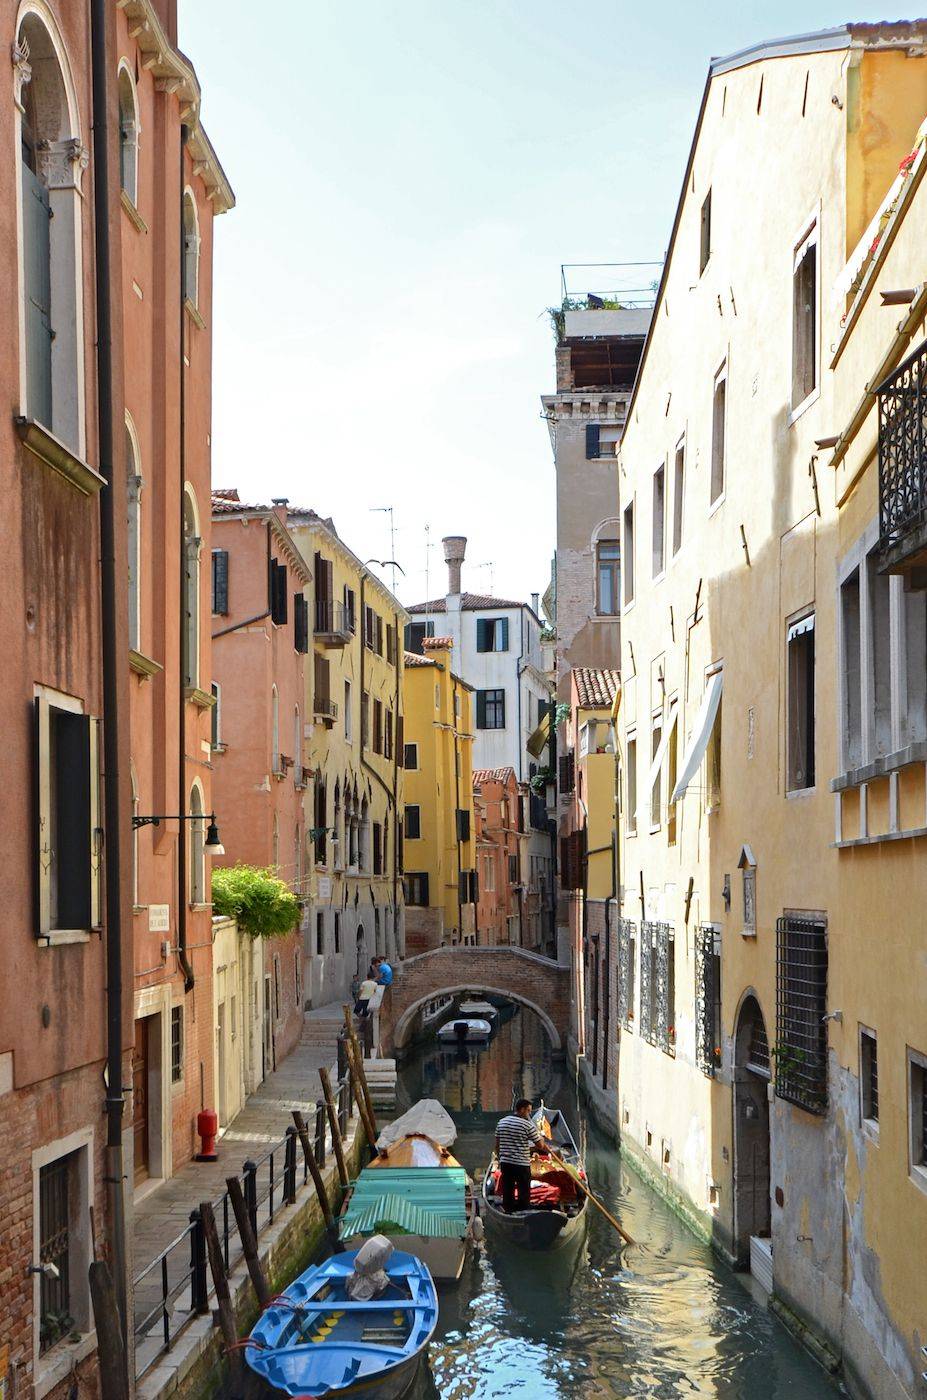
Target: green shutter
{"x": 504, "y": 646}
{"x": 72, "y": 783}
{"x": 37, "y": 271}
{"x": 481, "y": 709}
{"x": 483, "y": 634}
{"x": 592, "y": 441}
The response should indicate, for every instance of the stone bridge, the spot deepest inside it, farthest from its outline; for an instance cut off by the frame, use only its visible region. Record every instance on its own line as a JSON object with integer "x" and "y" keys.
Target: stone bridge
{"x": 534, "y": 981}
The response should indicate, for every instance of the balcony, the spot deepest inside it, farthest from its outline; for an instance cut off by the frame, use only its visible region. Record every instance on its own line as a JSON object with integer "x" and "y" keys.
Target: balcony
{"x": 324, "y": 710}
{"x": 903, "y": 470}
{"x": 334, "y": 625}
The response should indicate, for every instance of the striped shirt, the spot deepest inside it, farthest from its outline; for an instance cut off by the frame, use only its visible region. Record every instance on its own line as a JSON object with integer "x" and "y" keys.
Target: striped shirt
{"x": 515, "y": 1136}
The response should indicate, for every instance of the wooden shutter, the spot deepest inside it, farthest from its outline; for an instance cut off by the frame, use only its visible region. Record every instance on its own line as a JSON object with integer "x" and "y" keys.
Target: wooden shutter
{"x": 592, "y": 441}
{"x": 504, "y": 629}
{"x": 96, "y": 826}
{"x": 320, "y": 665}
{"x": 72, "y": 783}
{"x": 463, "y": 824}
{"x": 300, "y": 623}
{"x": 220, "y": 582}
{"x": 400, "y": 741}
{"x": 377, "y": 848}
{"x": 37, "y": 272}
{"x": 379, "y": 627}
{"x": 483, "y": 634}
{"x": 41, "y": 817}
{"x": 463, "y": 886}
{"x": 481, "y": 709}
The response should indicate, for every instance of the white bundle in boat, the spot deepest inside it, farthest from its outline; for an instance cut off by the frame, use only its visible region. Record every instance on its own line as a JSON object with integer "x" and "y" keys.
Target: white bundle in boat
{"x": 427, "y": 1118}
{"x": 370, "y": 1278}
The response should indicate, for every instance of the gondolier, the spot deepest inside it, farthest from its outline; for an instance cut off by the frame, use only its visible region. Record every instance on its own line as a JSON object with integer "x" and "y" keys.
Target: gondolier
{"x": 517, "y": 1136}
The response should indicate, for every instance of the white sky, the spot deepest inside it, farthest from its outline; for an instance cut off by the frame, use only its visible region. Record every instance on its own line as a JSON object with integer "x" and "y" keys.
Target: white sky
{"x": 410, "y": 174}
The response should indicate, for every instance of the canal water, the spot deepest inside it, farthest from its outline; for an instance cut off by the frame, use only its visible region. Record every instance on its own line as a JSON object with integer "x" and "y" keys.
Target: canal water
{"x": 589, "y": 1322}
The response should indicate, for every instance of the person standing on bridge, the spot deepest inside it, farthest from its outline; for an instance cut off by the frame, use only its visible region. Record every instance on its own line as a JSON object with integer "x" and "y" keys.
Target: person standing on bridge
{"x": 517, "y": 1137}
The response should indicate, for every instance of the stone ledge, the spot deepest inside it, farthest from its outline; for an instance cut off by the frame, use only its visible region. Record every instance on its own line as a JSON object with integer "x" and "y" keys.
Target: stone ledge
{"x": 57, "y": 455}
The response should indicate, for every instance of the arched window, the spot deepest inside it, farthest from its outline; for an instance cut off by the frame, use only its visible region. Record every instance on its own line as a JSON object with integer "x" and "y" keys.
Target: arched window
{"x": 128, "y": 134}
{"x": 364, "y": 836}
{"x": 337, "y": 847}
{"x": 134, "y": 517}
{"x": 191, "y": 591}
{"x": 191, "y": 249}
{"x": 197, "y": 841}
{"x": 275, "y": 728}
{"x": 52, "y": 161}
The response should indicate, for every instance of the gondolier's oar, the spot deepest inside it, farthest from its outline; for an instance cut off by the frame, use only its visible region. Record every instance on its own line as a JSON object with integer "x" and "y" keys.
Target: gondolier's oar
{"x": 572, "y": 1172}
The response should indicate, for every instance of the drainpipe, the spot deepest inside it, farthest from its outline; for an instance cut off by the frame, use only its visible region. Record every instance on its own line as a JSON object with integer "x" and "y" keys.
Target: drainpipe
{"x": 112, "y": 654}
{"x": 182, "y": 957}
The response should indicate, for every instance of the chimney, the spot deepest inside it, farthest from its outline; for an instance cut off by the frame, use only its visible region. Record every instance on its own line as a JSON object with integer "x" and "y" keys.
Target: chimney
{"x": 280, "y": 504}
{"x": 455, "y": 547}
{"x": 536, "y": 603}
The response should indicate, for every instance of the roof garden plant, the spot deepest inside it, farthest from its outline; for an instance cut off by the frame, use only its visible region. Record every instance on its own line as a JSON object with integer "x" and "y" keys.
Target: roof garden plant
{"x": 260, "y": 902}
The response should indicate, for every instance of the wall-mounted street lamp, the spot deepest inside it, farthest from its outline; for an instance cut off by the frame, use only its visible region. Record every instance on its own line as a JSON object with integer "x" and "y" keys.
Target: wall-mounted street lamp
{"x": 212, "y": 845}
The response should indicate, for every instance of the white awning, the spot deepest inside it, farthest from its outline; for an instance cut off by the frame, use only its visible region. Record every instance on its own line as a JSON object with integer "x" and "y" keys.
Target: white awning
{"x": 660, "y": 754}
{"x": 701, "y": 733}
{"x": 797, "y": 629}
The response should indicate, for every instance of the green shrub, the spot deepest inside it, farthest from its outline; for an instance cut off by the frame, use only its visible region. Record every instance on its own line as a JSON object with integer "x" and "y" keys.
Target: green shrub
{"x": 261, "y": 904}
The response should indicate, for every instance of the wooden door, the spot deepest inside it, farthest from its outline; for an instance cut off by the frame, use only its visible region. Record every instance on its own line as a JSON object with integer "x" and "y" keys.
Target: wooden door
{"x": 140, "y": 1068}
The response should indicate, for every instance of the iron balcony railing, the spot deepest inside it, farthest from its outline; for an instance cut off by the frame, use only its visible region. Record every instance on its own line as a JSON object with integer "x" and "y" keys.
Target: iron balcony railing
{"x": 903, "y": 452}
{"x": 173, "y": 1288}
{"x": 332, "y": 619}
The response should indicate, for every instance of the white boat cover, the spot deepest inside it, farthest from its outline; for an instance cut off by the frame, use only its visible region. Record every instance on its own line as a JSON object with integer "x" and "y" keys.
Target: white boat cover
{"x": 426, "y": 1117}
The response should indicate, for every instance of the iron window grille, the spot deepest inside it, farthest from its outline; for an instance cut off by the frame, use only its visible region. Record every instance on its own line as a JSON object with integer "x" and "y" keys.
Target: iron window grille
{"x": 869, "y": 1076}
{"x": 626, "y": 947}
{"x": 801, "y": 1005}
{"x": 655, "y": 939}
{"x": 54, "y": 1248}
{"x": 708, "y": 999}
{"x": 902, "y": 450}
{"x": 758, "y": 1050}
{"x": 176, "y": 1044}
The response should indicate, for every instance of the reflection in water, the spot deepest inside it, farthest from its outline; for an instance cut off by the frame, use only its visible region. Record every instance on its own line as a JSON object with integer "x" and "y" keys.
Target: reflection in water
{"x": 589, "y": 1320}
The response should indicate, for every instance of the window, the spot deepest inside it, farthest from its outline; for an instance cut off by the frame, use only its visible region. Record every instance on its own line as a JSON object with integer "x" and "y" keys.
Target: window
{"x": 800, "y": 737}
{"x": 917, "y": 1116}
{"x": 191, "y": 250}
{"x": 416, "y": 632}
{"x": 718, "y": 435}
{"x": 348, "y": 714}
{"x": 416, "y": 888}
{"x": 631, "y": 766}
{"x": 492, "y": 634}
{"x": 388, "y": 733}
{"x": 713, "y": 763}
{"x": 337, "y": 927}
{"x": 370, "y": 629}
{"x": 133, "y": 782}
{"x": 52, "y": 160}
{"x": 176, "y": 1044}
{"x": 350, "y": 608}
{"x": 191, "y": 592}
{"x": 880, "y": 648}
{"x": 320, "y": 934}
{"x": 410, "y": 758}
{"x": 220, "y": 582}
{"x": 489, "y": 874}
{"x": 679, "y": 492}
{"x": 215, "y": 717}
{"x": 278, "y": 593}
{"x": 852, "y": 726}
{"x": 656, "y": 791}
{"x": 463, "y": 824}
{"x": 320, "y": 821}
{"x": 659, "y": 521}
{"x": 378, "y": 726}
{"x": 67, "y": 814}
{"x": 377, "y": 849}
{"x": 708, "y": 999}
{"x": 378, "y": 635}
{"x": 365, "y": 719}
{"x": 300, "y": 624}
{"x": 705, "y": 234}
{"x": 626, "y": 958}
{"x": 55, "y": 1244}
{"x": 134, "y": 522}
{"x": 601, "y": 441}
{"x": 128, "y": 135}
{"x": 868, "y": 1077}
{"x": 672, "y": 757}
{"x": 628, "y": 547}
{"x": 197, "y": 875}
{"x": 608, "y": 576}
{"x": 801, "y": 1005}
{"x": 804, "y": 319}
{"x": 490, "y": 709}
{"x": 412, "y": 825}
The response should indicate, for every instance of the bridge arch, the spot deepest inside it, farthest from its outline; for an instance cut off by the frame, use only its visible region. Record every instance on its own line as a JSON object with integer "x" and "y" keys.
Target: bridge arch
{"x": 403, "y": 1025}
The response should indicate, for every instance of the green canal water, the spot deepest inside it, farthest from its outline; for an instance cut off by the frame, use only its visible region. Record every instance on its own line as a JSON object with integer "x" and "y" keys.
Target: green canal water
{"x": 591, "y": 1322}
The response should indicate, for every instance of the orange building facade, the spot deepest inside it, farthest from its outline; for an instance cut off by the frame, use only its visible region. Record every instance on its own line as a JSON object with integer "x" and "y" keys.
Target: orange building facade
{"x": 498, "y": 820}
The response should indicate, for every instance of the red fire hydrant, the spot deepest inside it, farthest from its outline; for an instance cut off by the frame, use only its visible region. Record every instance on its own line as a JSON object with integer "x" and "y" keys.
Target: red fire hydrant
{"x": 207, "y": 1125}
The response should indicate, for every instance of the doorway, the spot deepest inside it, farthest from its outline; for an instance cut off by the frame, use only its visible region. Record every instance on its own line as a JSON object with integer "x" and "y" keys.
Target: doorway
{"x": 141, "y": 1064}
{"x": 751, "y": 1130}
{"x": 361, "y": 953}
{"x": 268, "y": 1029}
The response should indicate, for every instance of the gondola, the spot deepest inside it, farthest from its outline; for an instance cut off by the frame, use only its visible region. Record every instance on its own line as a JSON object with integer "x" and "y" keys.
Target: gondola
{"x": 551, "y": 1222}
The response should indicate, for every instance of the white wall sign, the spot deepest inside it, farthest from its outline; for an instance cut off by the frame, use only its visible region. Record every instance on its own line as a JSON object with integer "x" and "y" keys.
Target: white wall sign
{"x": 159, "y": 918}
{"x": 325, "y": 887}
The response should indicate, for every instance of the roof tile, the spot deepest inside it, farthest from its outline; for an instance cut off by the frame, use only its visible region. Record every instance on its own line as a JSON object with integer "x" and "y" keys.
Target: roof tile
{"x": 596, "y": 689}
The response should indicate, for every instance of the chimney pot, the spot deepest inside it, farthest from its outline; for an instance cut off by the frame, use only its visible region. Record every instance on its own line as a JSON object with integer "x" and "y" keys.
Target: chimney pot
{"x": 455, "y": 547}
{"x": 535, "y": 601}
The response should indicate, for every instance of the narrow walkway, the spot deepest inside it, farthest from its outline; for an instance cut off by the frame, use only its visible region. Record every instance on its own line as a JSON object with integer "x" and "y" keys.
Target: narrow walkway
{"x": 164, "y": 1214}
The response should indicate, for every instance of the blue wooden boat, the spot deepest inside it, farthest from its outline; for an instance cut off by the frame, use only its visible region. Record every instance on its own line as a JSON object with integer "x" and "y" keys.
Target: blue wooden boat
{"x": 314, "y": 1340}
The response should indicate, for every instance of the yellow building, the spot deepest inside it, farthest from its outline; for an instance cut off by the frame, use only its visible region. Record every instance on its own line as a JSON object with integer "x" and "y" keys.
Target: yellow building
{"x": 354, "y": 744}
{"x": 770, "y": 1013}
{"x": 439, "y": 847}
